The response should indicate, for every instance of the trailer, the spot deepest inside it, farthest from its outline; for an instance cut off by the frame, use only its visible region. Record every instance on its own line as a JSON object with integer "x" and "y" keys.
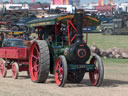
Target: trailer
{"x": 14, "y": 55}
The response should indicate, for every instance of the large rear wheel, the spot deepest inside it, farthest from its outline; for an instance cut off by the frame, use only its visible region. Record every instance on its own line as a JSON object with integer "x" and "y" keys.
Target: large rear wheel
{"x": 39, "y": 61}
{"x": 61, "y": 71}
{"x": 96, "y": 75}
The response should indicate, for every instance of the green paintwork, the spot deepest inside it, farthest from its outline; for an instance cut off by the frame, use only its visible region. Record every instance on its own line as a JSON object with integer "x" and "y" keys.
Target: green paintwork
{"x": 48, "y": 20}
{"x": 59, "y": 46}
{"x": 87, "y": 67}
{"x": 52, "y": 20}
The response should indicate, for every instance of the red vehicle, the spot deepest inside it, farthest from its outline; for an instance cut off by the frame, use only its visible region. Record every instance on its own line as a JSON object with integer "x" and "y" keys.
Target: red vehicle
{"x": 14, "y": 56}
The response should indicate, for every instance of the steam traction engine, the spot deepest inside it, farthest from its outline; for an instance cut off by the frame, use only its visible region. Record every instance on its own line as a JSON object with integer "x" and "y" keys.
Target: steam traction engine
{"x": 61, "y": 50}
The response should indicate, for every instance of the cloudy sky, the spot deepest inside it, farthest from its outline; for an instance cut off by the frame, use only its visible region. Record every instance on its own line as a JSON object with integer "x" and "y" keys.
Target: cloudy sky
{"x": 82, "y": 1}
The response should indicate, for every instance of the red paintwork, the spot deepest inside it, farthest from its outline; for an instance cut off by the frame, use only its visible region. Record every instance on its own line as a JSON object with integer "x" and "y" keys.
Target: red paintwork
{"x": 58, "y": 72}
{"x": 68, "y": 27}
{"x": 57, "y": 28}
{"x": 94, "y": 74}
{"x": 13, "y": 71}
{"x": 14, "y": 53}
{"x": 3, "y": 23}
{"x": 2, "y": 68}
{"x": 23, "y": 68}
{"x": 33, "y": 65}
{"x": 105, "y": 8}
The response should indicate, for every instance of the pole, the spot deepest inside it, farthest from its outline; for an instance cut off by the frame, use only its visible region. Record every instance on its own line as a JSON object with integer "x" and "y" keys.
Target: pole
{"x": 11, "y": 1}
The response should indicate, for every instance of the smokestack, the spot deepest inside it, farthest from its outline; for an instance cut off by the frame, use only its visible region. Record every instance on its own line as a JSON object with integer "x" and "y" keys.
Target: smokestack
{"x": 79, "y": 18}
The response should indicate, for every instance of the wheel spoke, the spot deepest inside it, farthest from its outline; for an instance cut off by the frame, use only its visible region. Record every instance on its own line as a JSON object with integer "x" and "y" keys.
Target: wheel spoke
{"x": 96, "y": 71}
{"x": 37, "y": 51}
{"x": 36, "y": 66}
{"x": 61, "y": 70}
{"x": 35, "y": 57}
{"x": 37, "y": 73}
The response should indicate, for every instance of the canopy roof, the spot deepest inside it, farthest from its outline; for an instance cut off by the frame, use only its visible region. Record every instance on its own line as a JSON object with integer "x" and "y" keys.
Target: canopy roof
{"x": 52, "y": 20}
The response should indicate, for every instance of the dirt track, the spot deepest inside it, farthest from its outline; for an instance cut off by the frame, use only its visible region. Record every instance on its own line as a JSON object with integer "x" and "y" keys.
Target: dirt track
{"x": 115, "y": 84}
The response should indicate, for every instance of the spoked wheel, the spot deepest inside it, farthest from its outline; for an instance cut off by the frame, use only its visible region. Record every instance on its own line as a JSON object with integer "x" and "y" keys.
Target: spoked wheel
{"x": 61, "y": 71}
{"x": 75, "y": 77}
{"x": 15, "y": 70}
{"x": 39, "y": 61}
{"x": 96, "y": 75}
{"x": 3, "y": 69}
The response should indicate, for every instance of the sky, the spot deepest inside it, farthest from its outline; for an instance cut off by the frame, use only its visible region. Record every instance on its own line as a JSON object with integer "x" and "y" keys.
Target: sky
{"x": 82, "y": 1}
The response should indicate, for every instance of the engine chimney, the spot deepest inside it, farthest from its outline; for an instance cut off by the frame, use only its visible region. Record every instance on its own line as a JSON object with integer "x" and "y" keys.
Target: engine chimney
{"x": 79, "y": 18}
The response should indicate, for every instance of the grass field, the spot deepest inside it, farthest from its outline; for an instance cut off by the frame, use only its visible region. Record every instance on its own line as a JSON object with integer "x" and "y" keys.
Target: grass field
{"x": 106, "y": 42}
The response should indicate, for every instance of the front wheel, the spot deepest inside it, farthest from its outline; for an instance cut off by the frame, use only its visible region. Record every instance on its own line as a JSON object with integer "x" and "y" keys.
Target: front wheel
{"x": 15, "y": 70}
{"x": 3, "y": 69}
{"x": 61, "y": 71}
{"x": 96, "y": 75}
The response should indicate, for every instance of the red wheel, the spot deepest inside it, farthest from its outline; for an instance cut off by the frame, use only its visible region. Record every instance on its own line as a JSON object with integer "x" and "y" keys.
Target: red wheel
{"x": 35, "y": 62}
{"x": 15, "y": 70}
{"x": 39, "y": 61}
{"x": 96, "y": 75}
{"x": 61, "y": 71}
{"x": 3, "y": 69}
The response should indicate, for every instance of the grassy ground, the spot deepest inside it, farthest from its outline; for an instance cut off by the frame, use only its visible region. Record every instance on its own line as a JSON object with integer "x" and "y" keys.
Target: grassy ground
{"x": 106, "y": 42}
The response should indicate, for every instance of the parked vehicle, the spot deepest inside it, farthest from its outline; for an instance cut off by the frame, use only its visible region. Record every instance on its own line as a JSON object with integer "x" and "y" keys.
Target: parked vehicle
{"x": 21, "y": 25}
{"x": 119, "y": 25}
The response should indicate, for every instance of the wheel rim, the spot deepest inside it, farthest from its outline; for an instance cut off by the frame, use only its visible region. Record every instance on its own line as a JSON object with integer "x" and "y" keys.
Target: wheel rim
{"x": 59, "y": 72}
{"x": 109, "y": 31}
{"x": 2, "y": 69}
{"x": 94, "y": 75}
{"x": 34, "y": 62}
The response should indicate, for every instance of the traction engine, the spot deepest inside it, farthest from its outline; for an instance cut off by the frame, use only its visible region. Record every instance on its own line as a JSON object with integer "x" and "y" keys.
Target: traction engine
{"x": 62, "y": 51}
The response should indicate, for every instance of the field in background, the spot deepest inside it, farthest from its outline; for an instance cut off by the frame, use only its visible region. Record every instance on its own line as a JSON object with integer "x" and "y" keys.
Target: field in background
{"x": 111, "y": 41}
{"x": 105, "y": 42}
